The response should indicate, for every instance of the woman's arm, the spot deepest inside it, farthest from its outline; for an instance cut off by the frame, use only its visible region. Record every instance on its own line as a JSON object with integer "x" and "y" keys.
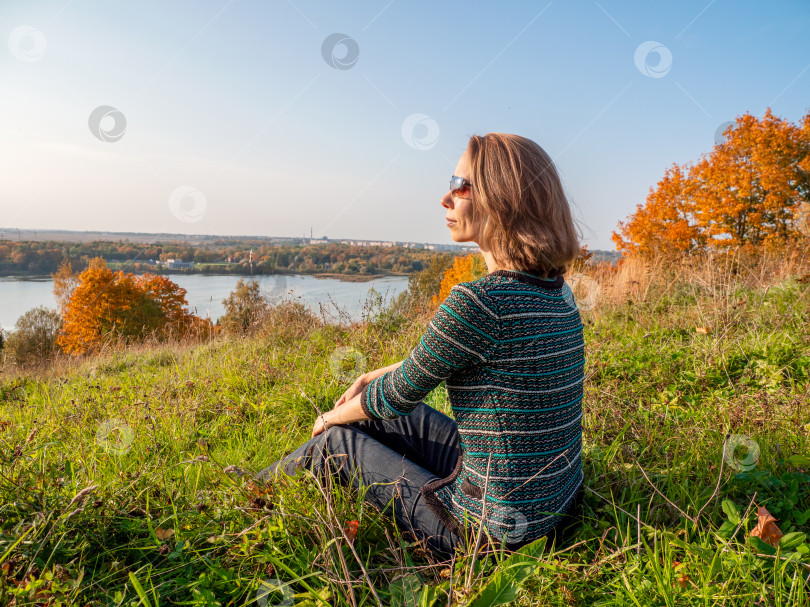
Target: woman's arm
{"x": 361, "y": 382}
{"x": 462, "y": 333}
{"x": 348, "y": 408}
{"x": 372, "y": 375}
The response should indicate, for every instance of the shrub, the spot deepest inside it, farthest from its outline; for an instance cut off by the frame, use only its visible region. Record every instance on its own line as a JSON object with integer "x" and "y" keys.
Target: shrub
{"x": 245, "y": 308}
{"x": 422, "y": 287}
{"x": 34, "y": 341}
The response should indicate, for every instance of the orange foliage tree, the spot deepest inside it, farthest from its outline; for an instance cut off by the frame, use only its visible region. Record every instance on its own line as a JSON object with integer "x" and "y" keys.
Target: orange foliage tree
{"x": 99, "y": 304}
{"x": 750, "y": 190}
{"x": 466, "y": 268}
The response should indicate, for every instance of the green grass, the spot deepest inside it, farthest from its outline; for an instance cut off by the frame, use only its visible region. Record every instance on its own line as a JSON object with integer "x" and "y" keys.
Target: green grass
{"x": 170, "y": 521}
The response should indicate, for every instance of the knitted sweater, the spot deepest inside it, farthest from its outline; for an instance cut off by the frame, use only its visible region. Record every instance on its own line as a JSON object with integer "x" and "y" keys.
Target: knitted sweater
{"x": 510, "y": 350}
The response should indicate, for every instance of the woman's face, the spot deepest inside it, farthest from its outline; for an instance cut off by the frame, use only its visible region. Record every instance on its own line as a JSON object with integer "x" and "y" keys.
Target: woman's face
{"x": 459, "y": 209}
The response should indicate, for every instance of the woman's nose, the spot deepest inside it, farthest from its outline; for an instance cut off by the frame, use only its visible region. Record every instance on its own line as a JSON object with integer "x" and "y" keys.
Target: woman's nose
{"x": 447, "y": 200}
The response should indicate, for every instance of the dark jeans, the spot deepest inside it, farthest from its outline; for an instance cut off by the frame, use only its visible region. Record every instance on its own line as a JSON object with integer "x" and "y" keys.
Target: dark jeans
{"x": 392, "y": 458}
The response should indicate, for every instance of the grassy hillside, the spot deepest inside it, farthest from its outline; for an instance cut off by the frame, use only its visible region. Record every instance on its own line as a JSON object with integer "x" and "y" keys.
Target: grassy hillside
{"x": 123, "y": 478}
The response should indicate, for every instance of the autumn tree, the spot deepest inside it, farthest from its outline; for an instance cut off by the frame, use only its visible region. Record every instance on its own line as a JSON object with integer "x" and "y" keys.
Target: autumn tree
{"x": 105, "y": 304}
{"x": 750, "y": 190}
{"x": 666, "y": 222}
{"x": 464, "y": 269}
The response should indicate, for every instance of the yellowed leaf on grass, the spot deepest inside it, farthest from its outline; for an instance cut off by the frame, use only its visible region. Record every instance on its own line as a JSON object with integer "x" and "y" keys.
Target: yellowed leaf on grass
{"x": 702, "y": 330}
{"x": 683, "y": 579}
{"x": 164, "y": 534}
{"x": 766, "y": 528}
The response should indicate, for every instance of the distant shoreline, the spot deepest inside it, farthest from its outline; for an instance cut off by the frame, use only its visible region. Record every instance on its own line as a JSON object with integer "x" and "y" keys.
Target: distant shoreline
{"x": 154, "y": 238}
{"x": 343, "y": 277}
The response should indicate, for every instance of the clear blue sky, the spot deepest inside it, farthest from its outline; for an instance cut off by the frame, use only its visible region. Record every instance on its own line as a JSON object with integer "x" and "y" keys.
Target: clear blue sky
{"x": 234, "y": 101}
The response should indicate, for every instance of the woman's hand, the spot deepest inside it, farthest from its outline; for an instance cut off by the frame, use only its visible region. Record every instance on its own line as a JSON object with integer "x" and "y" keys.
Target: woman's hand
{"x": 327, "y": 419}
{"x": 320, "y": 425}
{"x": 356, "y": 388}
{"x": 361, "y": 382}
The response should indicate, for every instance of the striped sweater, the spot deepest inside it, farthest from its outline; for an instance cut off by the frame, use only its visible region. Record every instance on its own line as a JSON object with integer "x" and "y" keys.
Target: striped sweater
{"x": 510, "y": 349}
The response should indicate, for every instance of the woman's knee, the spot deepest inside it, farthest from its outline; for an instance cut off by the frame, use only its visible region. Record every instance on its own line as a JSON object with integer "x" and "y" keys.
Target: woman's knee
{"x": 333, "y": 449}
{"x": 314, "y": 453}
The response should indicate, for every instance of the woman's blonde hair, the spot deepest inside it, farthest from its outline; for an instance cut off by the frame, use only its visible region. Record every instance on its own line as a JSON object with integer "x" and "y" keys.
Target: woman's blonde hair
{"x": 519, "y": 199}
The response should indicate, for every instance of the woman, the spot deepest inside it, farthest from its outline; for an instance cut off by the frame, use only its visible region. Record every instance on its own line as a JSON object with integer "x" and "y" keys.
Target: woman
{"x": 508, "y": 346}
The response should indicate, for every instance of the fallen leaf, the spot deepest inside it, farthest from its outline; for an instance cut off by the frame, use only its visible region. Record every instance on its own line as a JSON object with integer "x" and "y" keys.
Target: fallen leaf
{"x": 683, "y": 579}
{"x": 259, "y": 495}
{"x": 163, "y": 534}
{"x": 351, "y": 530}
{"x": 766, "y": 528}
{"x": 233, "y": 470}
{"x": 702, "y": 330}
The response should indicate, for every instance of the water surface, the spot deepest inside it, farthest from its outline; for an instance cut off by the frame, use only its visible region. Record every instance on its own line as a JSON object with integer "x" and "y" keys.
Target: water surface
{"x": 324, "y": 296}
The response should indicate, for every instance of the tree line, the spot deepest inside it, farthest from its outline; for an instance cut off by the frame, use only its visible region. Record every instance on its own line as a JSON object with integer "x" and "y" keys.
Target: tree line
{"x": 33, "y": 258}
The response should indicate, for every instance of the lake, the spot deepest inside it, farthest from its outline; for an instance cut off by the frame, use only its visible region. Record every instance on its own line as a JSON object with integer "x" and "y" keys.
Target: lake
{"x": 324, "y": 296}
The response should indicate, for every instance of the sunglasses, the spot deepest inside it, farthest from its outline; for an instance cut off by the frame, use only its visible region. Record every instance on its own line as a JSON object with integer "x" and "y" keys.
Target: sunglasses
{"x": 460, "y": 187}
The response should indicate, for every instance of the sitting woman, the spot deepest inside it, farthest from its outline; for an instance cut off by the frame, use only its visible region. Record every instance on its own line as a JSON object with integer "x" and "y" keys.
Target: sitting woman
{"x": 510, "y": 350}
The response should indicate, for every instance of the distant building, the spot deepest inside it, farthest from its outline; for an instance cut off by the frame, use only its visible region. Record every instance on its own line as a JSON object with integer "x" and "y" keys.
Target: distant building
{"x": 176, "y": 264}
